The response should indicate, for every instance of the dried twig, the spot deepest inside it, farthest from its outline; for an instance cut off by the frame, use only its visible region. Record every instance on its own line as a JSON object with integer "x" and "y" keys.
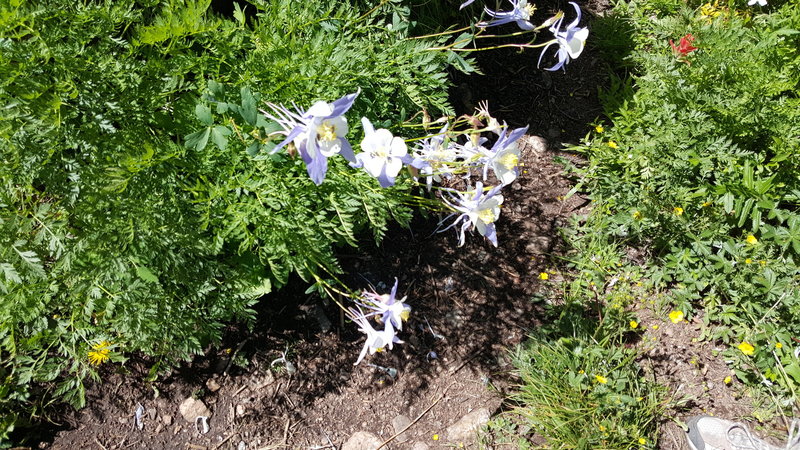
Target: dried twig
{"x": 391, "y": 438}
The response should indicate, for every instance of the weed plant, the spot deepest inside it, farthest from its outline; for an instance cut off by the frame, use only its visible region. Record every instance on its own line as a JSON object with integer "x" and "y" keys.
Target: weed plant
{"x": 700, "y": 168}
{"x": 115, "y": 236}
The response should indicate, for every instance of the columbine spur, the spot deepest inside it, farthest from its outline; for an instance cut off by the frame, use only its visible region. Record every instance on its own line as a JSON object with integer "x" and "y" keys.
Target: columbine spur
{"x": 477, "y": 209}
{"x": 318, "y": 133}
{"x": 382, "y": 155}
{"x": 571, "y": 40}
{"x": 521, "y": 14}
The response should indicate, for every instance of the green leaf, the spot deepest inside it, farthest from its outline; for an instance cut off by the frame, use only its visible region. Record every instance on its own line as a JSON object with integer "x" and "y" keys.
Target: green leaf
{"x": 220, "y": 135}
{"x": 203, "y": 114}
{"x": 145, "y": 274}
{"x": 248, "y": 110}
{"x": 199, "y": 139}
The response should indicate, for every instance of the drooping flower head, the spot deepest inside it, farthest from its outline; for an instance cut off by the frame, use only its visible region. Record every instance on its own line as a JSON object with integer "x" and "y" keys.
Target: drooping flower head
{"x": 388, "y": 306}
{"x": 435, "y": 157}
{"x": 376, "y": 340}
{"x": 478, "y": 209}
{"x": 317, "y": 133}
{"x": 571, "y": 40}
{"x": 521, "y": 14}
{"x": 382, "y": 155}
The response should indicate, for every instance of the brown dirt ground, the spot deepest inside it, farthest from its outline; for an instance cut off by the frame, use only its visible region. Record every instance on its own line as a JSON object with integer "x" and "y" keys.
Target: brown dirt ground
{"x": 478, "y": 300}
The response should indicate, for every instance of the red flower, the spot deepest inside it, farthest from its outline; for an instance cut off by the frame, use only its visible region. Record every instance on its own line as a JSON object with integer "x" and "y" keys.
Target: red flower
{"x": 684, "y": 47}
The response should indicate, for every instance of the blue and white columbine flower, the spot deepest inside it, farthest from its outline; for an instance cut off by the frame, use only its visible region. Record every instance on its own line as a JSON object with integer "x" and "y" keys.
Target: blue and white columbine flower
{"x": 521, "y": 14}
{"x": 388, "y": 306}
{"x": 435, "y": 157}
{"x": 465, "y": 4}
{"x": 318, "y": 133}
{"x": 571, "y": 40}
{"x": 477, "y": 209}
{"x": 382, "y": 155}
{"x": 376, "y": 340}
{"x": 503, "y": 157}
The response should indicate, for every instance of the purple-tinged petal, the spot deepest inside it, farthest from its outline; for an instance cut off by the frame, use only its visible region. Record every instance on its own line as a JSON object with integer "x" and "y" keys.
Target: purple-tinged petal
{"x": 465, "y": 4}
{"x": 317, "y": 168}
{"x": 296, "y": 131}
{"x": 385, "y": 179}
{"x": 347, "y": 151}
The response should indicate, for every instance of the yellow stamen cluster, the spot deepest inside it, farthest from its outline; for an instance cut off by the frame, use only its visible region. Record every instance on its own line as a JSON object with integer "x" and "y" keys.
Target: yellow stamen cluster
{"x": 326, "y": 131}
{"x": 486, "y": 216}
{"x": 509, "y": 160}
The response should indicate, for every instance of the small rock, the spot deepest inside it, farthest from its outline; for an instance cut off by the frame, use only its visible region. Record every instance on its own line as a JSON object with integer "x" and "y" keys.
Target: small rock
{"x": 419, "y": 446}
{"x": 192, "y": 408}
{"x": 241, "y": 446}
{"x": 167, "y": 419}
{"x": 538, "y": 144}
{"x": 159, "y": 427}
{"x": 362, "y": 440}
{"x": 399, "y": 424}
{"x": 240, "y": 410}
{"x": 151, "y": 413}
{"x": 212, "y": 385}
{"x": 464, "y": 430}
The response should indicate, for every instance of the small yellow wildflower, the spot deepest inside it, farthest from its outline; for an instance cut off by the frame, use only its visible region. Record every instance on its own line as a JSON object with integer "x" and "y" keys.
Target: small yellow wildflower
{"x": 637, "y": 215}
{"x": 435, "y": 437}
{"x": 746, "y": 348}
{"x": 612, "y": 144}
{"x": 728, "y": 380}
{"x": 601, "y": 428}
{"x": 580, "y": 371}
{"x": 601, "y": 379}
{"x": 778, "y": 345}
{"x": 634, "y": 324}
{"x": 762, "y": 262}
{"x": 99, "y": 353}
{"x": 706, "y": 204}
{"x": 544, "y": 276}
{"x": 676, "y": 316}
{"x": 748, "y": 261}
{"x": 751, "y": 240}
{"x": 642, "y": 441}
{"x": 599, "y": 129}
{"x": 655, "y": 327}
{"x": 678, "y": 211}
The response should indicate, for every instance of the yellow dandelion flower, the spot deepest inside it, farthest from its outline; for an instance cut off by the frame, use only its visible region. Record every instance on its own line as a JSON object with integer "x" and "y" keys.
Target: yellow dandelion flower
{"x": 778, "y": 345}
{"x": 748, "y": 261}
{"x": 544, "y": 276}
{"x": 678, "y": 211}
{"x": 601, "y": 379}
{"x": 99, "y": 353}
{"x": 599, "y": 129}
{"x": 676, "y": 316}
{"x": 746, "y": 348}
{"x": 634, "y": 324}
{"x": 751, "y": 240}
{"x": 728, "y": 380}
{"x": 612, "y": 144}
{"x": 642, "y": 441}
{"x": 637, "y": 215}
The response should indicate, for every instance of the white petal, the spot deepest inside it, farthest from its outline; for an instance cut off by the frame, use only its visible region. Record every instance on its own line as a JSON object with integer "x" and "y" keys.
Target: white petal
{"x": 319, "y": 109}
{"x": 373, "y": 166}
{"x": 393, "y": 167}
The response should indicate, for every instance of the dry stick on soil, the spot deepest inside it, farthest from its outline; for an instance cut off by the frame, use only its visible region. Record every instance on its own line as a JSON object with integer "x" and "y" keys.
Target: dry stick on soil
{"x": 391, "y": 438}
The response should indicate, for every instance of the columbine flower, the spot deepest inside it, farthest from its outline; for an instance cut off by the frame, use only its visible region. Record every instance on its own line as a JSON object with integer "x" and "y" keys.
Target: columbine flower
{"x": 465, "y": 4}
{"x": 435, "y": 156}
{"x": 99, "y": 353}
{"x": 382, "y": 155}
{"x": 746, "y": 348}
{"x": 479, "y": 210}
{"x": 684, "y": 46}
{"x": 676, "y": 316}
{"x": 376, "y": 340}
{"x": 570, "y": 41}
{"x": 503, "y": 157}
{"x": 391, "y": 309}
{"x": 317, "y": 133}
{"x": 521, "y": 14}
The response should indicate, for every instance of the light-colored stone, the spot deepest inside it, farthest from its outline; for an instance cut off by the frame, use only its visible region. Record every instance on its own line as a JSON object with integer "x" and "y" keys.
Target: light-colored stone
{"x": 464, "y": 430}
{"x": 362, "y": 440}
{"x": 420, "y": 446}
{"x": 399, "y": 424}
{"x": 167, "y": 419}
{"x": 191, "y": 409}
{"x": 240, "y": 410}
{"x": 212, "y": 385}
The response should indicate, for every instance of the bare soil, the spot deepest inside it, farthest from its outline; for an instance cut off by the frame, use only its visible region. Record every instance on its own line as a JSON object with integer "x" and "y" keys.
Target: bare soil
{"x": 470, "y": 306}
